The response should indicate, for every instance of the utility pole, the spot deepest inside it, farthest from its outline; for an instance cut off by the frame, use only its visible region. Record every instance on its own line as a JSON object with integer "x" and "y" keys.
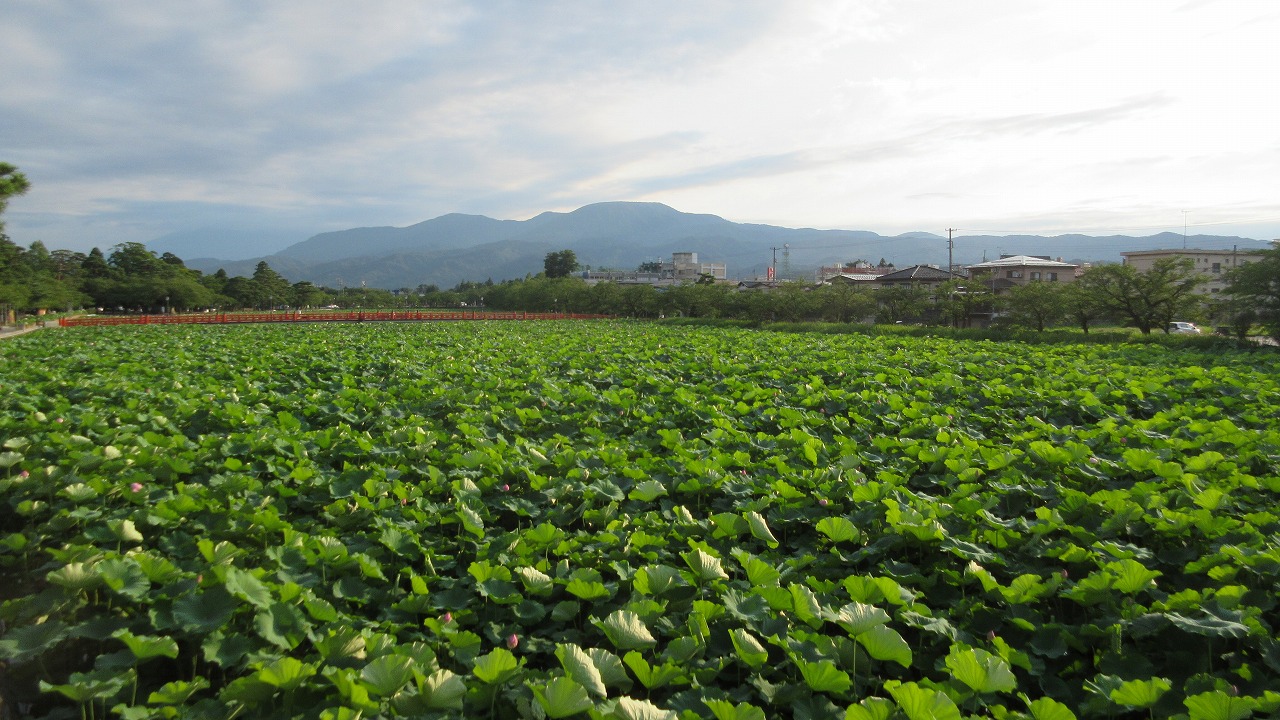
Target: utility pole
{"x": 950, "y": 247}
{"x": 773, "y": 267}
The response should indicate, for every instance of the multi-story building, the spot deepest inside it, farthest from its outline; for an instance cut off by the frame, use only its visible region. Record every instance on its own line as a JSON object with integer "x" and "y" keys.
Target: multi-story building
{"x": 1010, "y": 270}
{"x": 683, "y": 268}
{"x": 1213, "y": 264}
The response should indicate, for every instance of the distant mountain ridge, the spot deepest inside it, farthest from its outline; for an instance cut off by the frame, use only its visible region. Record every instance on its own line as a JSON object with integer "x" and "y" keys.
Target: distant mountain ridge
{"x": 456, "y": 247}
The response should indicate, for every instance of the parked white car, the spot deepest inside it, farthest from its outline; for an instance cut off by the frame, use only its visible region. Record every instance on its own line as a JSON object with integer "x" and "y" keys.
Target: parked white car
{"x": 1183, "y": 328}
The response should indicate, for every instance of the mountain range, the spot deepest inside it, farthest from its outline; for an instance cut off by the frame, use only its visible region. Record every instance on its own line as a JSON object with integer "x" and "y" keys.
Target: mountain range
{"x": 453, "y": 248}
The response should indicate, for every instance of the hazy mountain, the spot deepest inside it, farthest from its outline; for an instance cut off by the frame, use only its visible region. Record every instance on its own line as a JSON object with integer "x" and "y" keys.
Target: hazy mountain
{"x": 212, "y": 242}
{"x": 449, "y": 249}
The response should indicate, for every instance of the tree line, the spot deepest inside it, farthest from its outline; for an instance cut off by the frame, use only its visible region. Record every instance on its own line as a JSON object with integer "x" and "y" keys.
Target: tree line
{"x": 132, "y": 278}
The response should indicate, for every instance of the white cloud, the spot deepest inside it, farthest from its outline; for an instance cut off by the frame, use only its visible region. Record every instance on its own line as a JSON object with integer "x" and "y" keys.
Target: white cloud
{"x": 876, "y": 114}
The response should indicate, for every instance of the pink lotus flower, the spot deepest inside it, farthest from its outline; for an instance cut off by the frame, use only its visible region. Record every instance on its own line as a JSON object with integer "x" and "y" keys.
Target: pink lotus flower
{"x": 448, "y": 618}
{"x": 24, "y": 474}
{"x": 136, "y": 487}
{"x": 505, "y": 487}
{"x": 822, "y": 502}
{"x": 991, "y": 635}
{"x": 512, "y": 641}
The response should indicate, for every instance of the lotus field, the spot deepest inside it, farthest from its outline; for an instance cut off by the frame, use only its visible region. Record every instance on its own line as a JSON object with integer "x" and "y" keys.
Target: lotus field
{"x": 616, "y": 520}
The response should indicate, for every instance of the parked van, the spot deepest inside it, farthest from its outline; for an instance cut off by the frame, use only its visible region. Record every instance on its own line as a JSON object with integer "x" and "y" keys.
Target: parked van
{"x": 1183, "y": 328}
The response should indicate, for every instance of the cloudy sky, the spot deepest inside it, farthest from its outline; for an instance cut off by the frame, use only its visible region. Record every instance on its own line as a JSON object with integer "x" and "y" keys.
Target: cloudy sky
{"x": 136, "y": 119}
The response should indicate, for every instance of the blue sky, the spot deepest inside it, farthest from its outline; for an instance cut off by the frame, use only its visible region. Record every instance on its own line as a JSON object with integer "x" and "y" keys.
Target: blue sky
{"x": 134, "y": 120}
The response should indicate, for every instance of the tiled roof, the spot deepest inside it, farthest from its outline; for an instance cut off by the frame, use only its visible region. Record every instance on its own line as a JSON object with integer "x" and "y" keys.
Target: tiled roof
{"x": 918, "y": 272}
{"x": 1021, "y": 261}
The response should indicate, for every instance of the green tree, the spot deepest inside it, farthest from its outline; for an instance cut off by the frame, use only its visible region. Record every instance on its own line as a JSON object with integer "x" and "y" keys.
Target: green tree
{"x": 95, "y": 265}
{"x": 12, "y": 184}
{"x": 1037, "y": 304}
{"x": 1151, "y": 299}
{"x": 1257, "y": 285}
{"x": 900, "y": 304}
{"x": 560, "y": 264}
{"x": 273, "y": 289}
{"x": 306, "y": 294}
{"x": 960, "y": 299}
{"x": 134, "y": 260}
{"x": 1082, "y": 301}
{"x": 844, "y": 302}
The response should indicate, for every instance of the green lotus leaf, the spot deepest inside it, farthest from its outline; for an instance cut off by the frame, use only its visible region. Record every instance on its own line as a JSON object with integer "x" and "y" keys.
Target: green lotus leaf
{"x": 857, "y": 618}
{"x": 496, "y": 667}
{"x": 442, "y": 690}
{"x": 1140, "y": 693}
{"x": 980, "y": 670}
{"x": 27, "y": 641}
{"x": 562, "y": 697}
{"x": 286, "y": 673}
{"x": 97, "y": 684}
{"x": 1048, "y": 709}
{"x": 282, "y": 625}
{"x": 626, "y": 630}
{"x": 1209, "y": 625}
{"x": 704, "y": 566}
{"x": 824, "y": 676}
{"x": 247, "y": 587}
{"x": 612, "y": 672}
{"x": 471, "y": 521}
{"x": 872, "y": 708}
{"x": 587, "y": 590}
{"x": 178, "y": 692}
{"x": 657, "y": 579}
{"x": 749, "y": 649}
{"x": 919, "y": 703}
{"x": 76, "y": 576}
{"x": 726, "y": 710}
{"x": 1218, "y": 705}
{"x": 579, "y": 666}
{"x": 652, "y": 676}
{"x": 125, "y": 576}
{"x": 204, "y": 612}
{"x": 647, "y": 491}
{"x": 760, "y": 528}
{"x": 386, "y": 674}
{"x": 838, "y": 529}
{"x": 145, "y": 648}
{"x": 884, "y": 643}
{"x": 1132, "y": 576}
{"x": 628, "y": 708}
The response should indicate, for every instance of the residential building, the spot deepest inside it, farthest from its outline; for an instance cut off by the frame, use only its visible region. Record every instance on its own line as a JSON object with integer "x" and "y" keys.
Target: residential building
{"x": 929, "y": 276}
{"x": 1213, "y": 264}
{"x": 1013, "y": 270}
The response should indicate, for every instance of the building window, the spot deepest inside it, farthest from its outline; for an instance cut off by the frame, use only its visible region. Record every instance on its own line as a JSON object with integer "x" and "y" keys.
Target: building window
{"x": 1035, "y": 275}
{"x": 1217, "y": 267}
{"x": 1014, "y": 274}
{"x": 1053, "y": 277}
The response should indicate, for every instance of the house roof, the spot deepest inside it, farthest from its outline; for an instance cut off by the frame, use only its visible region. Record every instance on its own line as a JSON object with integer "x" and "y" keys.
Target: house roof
{"x": 919, "y": 272}
{"x": 1021, "y": 261}
{"x": 856, "y": 277}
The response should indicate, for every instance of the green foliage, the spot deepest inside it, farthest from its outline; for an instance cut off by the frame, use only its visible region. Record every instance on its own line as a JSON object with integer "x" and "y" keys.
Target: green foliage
{"x": 626, "y": 520}
{"x": 559, "y": 264}
{"x": 1255, "y": 288}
